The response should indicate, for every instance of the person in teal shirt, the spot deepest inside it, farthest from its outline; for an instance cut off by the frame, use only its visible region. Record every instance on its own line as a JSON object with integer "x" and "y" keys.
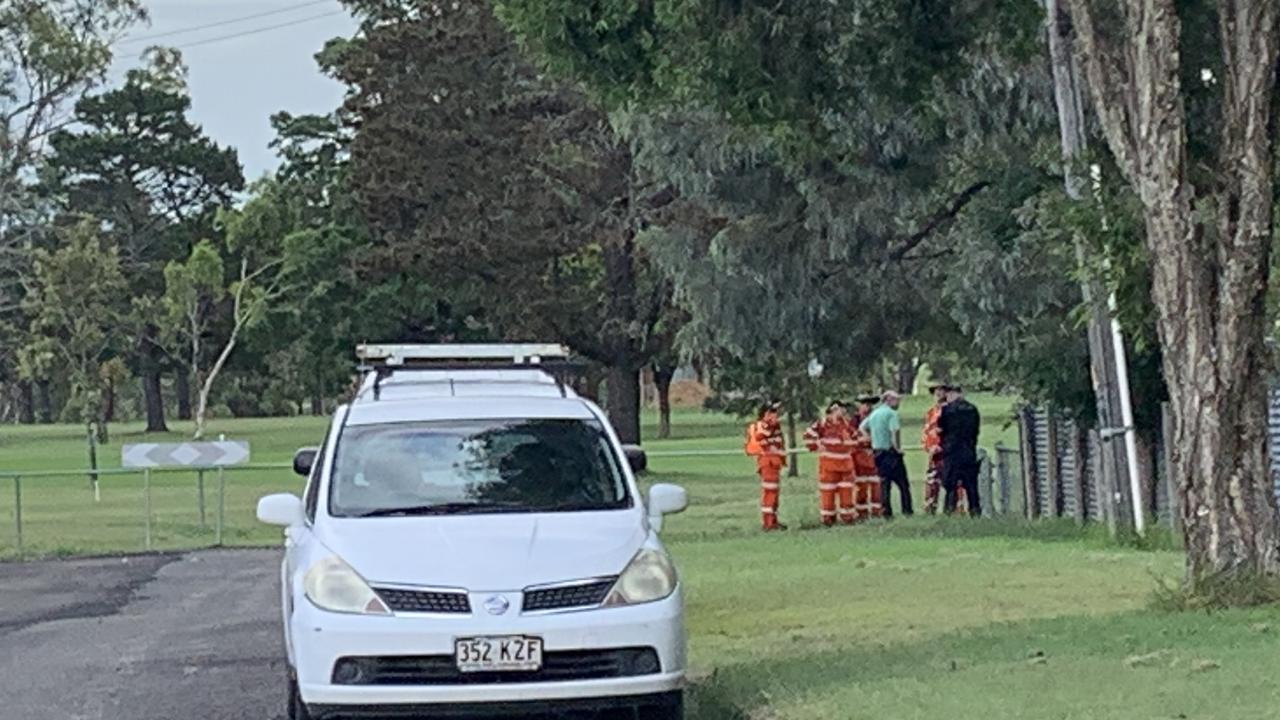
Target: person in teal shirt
{"x": 885, "y": 428}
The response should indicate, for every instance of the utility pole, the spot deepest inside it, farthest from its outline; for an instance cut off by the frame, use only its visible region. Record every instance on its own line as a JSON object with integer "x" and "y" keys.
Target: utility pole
{"x": 1107, "y": 363}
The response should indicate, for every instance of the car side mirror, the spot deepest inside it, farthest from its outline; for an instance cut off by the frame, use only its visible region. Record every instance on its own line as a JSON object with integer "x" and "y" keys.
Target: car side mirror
{"x": 304, "y": 460}
{"x": 636, "y": 458}
{"x": 281, "y": 509}
{"x": 665, "y": 500}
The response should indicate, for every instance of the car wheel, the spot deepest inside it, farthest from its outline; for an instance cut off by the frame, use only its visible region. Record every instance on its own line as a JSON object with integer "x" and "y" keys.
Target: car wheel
{"x": 672, "y": 708}
{"x": 296, "y": 710}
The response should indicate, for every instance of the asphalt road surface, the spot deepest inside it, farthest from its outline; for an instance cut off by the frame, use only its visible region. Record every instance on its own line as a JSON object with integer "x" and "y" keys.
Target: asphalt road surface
{"x": 157, "y": 637}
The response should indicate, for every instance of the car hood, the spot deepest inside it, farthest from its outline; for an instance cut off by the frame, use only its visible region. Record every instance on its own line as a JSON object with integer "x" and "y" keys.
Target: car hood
{"x": 487, "y": 553}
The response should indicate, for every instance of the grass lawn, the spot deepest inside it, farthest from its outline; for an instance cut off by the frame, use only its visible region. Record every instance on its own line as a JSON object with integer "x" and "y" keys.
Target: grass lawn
{"x": 922, "y": 618}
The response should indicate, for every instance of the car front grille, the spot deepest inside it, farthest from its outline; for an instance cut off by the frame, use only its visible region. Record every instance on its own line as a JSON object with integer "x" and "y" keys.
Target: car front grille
{"x": 567, "y": 596}
{"x": 424, "y": 601}
{"x": 559, "y": 666}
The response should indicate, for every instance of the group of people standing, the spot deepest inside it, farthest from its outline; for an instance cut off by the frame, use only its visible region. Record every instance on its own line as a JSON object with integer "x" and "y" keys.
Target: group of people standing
{"x": 860, "y": 457}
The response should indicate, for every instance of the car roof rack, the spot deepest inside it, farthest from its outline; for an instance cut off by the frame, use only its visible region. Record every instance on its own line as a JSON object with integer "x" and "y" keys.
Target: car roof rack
{"x": 384, "y": 360}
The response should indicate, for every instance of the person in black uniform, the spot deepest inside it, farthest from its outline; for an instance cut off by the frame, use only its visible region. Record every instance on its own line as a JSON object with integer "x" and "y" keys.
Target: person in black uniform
{"x": 959, "y": 425}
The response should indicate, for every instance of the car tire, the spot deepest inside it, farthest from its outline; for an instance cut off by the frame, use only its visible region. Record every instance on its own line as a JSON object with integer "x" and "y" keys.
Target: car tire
{"x": 296, "y": 709}
{"x": 671, "y": 709}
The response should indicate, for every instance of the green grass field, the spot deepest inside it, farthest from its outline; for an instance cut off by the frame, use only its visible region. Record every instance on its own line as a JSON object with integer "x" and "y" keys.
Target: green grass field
{"x": 921, "y": 618}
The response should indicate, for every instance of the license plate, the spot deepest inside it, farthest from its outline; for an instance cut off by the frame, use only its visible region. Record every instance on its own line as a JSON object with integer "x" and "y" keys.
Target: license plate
{"x": 508, "y": 653}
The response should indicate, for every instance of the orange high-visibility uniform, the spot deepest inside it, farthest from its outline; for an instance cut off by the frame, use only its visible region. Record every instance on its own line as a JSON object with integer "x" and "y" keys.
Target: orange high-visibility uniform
{"x": 866, "y": 479}
{"x": 931, "y": 439}
{"x": 769, "y": 463}
{"x": 833, "y": 440}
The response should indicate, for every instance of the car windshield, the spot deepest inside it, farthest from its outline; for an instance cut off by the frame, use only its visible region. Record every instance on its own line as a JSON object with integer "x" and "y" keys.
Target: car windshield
{"x": 471, "y": 467}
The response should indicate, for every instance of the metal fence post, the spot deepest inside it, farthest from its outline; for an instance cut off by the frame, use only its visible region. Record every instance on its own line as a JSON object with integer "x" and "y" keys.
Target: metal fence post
{"x": 200, "y": 497}
{"x": 1104, "y": 483}
{"x": 17, "y": 509}
{"x": 985, "y": 482}
{"x": 222, "y": 506}
{"x": 146, "y": 494}
{"x": 1078, "y": 456}
{"x": 1052, "y": 469}
{"x": 1002, "y": 477}
{"x": 1026, "y": 440}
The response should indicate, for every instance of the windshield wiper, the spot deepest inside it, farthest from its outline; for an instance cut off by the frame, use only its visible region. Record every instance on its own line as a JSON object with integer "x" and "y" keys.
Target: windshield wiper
{"x": 453, "y": 508}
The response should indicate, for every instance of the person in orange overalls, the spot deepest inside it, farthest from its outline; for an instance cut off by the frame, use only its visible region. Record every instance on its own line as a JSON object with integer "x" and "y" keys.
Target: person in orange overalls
{"x": 766, "y": 443}
{"x": 866, "y": 479}
{"x": 931, "y": 439}
{"x": 833, "y": 437}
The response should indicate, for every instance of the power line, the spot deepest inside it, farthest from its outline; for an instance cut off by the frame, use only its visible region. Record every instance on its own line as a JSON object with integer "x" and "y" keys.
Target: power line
{"x": 257, "y": 31}
{"x": 223, "y": 23}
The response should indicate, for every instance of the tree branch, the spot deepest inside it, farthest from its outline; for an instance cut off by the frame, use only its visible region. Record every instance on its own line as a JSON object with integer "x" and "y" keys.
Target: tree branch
{"x": 941, "y": 218}
{"x": 930, "y": 256}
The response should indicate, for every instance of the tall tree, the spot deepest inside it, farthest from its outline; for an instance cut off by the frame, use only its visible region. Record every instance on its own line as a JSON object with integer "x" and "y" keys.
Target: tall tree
{"x": 511, "y": 189}
{"x": 326, "y": 238}
{"x": 136, "y": 161}
{"x": 193, "y": 290}
{"x": 821, "y": 137}
{"x": 76, "y": 298}
{"x": 51, "y": 53}
{"x": 1207, "y": 197}
{"x": 255, "y": 245}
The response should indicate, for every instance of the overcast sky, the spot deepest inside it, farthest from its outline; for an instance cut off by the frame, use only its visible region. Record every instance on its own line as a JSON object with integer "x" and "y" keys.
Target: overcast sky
{"x": 237, "y": 83}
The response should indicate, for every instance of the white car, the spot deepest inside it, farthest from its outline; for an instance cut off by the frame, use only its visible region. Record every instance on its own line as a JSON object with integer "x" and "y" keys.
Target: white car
{"x": 472, "y": 540}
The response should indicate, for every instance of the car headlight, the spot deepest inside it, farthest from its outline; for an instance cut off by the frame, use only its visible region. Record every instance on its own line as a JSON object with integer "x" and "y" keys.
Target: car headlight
{"x": 649, "y": 577}
{"x": 332, "y": 585}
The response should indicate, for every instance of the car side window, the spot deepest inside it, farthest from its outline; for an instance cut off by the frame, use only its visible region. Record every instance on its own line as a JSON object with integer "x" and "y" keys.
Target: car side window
{"x": 311, "y": 498}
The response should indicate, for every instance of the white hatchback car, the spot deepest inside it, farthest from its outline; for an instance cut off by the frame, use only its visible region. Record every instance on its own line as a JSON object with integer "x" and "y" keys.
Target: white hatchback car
{"x": 472, "y": 541}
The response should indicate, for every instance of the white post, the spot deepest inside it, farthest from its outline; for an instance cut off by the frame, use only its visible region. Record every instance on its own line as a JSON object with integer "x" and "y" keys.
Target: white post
{"x": 1126, "y": 418}
{"x": 1122, "y": 380}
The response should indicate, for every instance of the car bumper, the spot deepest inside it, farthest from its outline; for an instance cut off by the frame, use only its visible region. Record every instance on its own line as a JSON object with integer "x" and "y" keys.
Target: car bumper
{"x": 603, "y": 708}
{"x": 321, "y": 638}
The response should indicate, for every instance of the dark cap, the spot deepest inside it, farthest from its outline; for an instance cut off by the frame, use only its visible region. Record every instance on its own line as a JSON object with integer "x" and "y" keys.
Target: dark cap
{"x": 953, "y": 388}
{"x": 868, "y": 399}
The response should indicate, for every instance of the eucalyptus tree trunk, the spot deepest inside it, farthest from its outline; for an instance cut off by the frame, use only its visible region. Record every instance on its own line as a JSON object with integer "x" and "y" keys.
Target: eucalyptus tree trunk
{"x": 905, "y": 372}
{"x": 182, "y": 391}
{"x": 26, "y": 403}
{"x": 662, "y": 376}
{"x": 623, "y": 402}
{"x": 152, "y": 391}
{"x": 153, "y": 401}
{"x": 44, "y": 406}
{"x": 1209, "y": 282}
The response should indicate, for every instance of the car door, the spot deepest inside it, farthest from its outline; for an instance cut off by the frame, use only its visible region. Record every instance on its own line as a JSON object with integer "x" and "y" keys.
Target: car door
{"x": 296, "y": 540}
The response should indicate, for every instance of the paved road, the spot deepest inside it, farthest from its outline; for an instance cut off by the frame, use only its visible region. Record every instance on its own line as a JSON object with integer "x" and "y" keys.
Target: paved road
{"x": 162, "y": 637}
